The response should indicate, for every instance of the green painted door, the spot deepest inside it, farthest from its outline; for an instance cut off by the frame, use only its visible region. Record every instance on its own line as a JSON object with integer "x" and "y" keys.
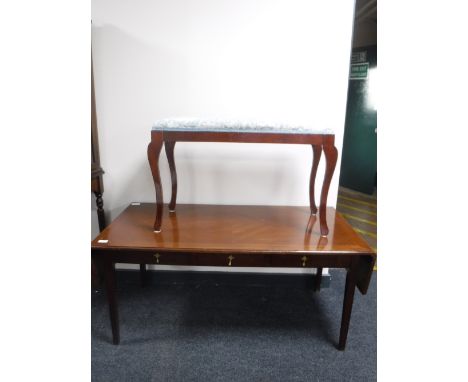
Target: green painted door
{"x": 359, "y": 153}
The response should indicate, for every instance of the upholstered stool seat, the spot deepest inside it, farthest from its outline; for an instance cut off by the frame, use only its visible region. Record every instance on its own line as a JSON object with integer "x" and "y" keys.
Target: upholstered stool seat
{"x": 233, "y": 126}
{"x": 169, "y": 131}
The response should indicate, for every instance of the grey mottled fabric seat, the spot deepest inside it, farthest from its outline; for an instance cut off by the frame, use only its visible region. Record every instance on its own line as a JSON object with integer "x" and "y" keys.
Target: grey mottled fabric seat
{"x": 240, "y": 126}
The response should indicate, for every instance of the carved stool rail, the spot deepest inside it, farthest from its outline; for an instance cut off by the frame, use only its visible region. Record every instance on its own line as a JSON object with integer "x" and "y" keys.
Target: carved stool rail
{"x": 170, "y": 131}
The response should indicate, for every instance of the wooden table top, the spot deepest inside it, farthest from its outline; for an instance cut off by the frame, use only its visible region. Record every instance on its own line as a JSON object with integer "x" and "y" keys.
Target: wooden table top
{"x": 236, "y": 229}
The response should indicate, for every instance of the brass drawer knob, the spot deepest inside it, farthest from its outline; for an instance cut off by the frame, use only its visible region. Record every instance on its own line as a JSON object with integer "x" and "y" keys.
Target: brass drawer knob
{"x": 304, "y": 259}
{"x": 156, "y": 256}
{"x": 230, "y": 257}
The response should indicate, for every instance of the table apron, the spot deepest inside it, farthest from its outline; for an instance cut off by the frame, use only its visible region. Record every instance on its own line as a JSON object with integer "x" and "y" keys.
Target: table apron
{"x": 202, "y": 136}
{"x": 297, "y": 260}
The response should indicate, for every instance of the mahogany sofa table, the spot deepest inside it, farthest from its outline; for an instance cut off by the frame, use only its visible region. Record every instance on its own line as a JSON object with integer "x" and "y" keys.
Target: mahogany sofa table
{"x": 170, "y": 131}
{"x": 238, "y": 236}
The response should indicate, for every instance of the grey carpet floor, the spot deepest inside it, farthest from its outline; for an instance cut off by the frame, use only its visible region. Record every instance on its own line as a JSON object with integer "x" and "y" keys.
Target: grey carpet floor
{"x": 216, "y": 332}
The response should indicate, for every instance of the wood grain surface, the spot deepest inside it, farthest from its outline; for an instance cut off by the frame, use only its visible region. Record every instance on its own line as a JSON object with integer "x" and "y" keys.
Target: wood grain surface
{"x": 236, "y": 229}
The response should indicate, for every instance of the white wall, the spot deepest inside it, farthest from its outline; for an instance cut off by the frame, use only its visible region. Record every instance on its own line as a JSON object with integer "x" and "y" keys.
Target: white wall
{"x": 281, "y": 60}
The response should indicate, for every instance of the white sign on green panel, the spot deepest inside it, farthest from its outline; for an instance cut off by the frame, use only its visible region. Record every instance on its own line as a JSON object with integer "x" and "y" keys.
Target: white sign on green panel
{"x": 359, "y": 71}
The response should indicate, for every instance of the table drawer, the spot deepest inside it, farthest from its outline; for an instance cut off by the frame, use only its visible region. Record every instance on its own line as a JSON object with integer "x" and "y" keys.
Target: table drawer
{"x": 291, "y": 261}
{"x": 169, "y": 259}
{"x": 232, "y": 260}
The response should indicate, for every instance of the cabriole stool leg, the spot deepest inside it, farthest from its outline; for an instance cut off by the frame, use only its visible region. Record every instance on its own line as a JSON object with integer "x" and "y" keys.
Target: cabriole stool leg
{"x": 169, "y": 145}
{"x": 331, "y": 155}
{"x": 317, "y": 150}
{"x": 154, "y": 149}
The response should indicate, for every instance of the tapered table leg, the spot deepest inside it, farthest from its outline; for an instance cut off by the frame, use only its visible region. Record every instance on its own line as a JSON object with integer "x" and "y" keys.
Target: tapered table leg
{"x": 95, "y": 281}
{"x": 331, "y": 155}
{"x": 318, "y": 279}
{"x": 169, "y": 145}
{"x": 347, "y": 307}
{"x": 113, "y": 311}
{"x": 317, "y": 150}
{"x": 154, "y": 149}
{"x": 142, "y": 275}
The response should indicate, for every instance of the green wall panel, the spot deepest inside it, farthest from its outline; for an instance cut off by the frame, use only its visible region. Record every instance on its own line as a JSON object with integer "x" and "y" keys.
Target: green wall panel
{"x": 359, "y": 153}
